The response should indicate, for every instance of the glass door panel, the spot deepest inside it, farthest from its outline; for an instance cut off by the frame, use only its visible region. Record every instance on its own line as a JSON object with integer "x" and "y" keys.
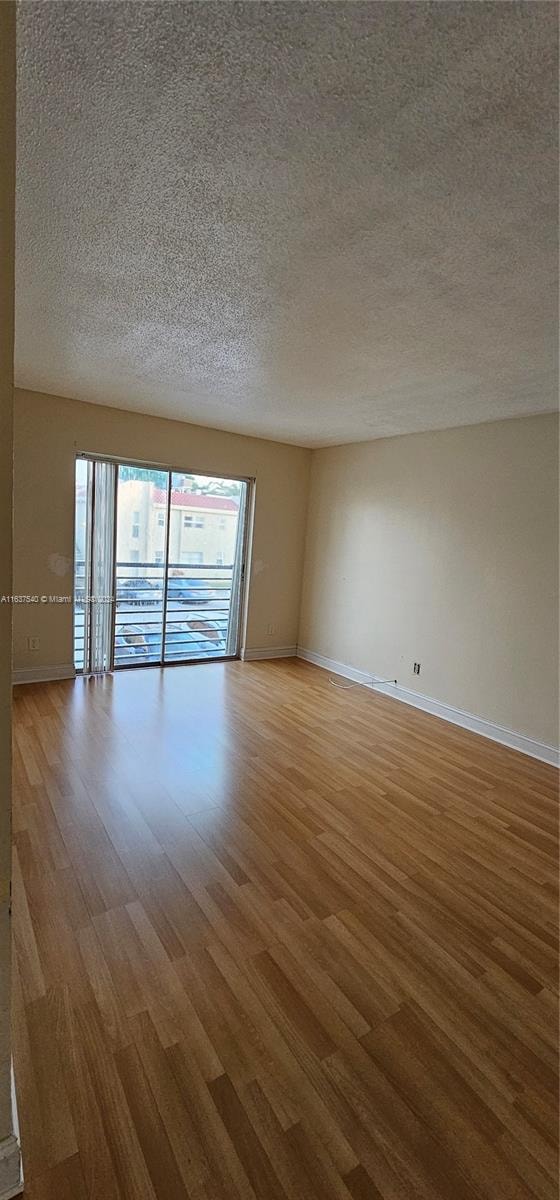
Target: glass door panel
{"x": 141, "y": 552}
{"x": 206, "y": 547}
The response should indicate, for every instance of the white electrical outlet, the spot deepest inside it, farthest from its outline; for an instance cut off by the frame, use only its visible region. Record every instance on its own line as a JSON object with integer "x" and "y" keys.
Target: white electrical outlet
{"x": 271, "y": 629}
{"x": 33, "y": 643}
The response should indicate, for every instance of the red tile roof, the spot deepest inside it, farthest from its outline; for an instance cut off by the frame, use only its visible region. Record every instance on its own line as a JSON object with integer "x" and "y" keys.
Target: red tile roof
{"x": 196, "y": 500}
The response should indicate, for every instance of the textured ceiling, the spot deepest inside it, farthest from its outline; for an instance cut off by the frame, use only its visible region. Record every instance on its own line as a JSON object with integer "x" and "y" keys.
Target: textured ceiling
{"x": 313, "y": 222}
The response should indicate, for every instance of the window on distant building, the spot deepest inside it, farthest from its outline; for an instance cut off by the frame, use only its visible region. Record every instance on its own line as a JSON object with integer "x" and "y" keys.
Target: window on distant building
{"x": 193, "y": 557}
{"x": 221, "y": 522}
{"x": 135, "y": 556}
{"x": 159, "y": 556}
{"x": 193, "y": 522}
{"x": 136, "y": 524}
{"x": 161, "y": 518}
{"x": 220, "y": 559}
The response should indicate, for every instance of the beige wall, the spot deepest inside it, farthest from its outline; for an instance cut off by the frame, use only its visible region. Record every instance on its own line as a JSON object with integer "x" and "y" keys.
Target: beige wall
{"x": 49, "y": 431}
{"x": 9, "y": 1152}
{"x": 442, "y": 548}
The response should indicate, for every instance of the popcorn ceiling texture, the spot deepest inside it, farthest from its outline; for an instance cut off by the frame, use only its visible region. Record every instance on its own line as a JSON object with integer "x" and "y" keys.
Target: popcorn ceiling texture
{"x": 313, "y": 222}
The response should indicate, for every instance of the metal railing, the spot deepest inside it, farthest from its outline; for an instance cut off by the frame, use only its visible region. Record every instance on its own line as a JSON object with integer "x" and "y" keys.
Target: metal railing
{"x": 193, "y": 624}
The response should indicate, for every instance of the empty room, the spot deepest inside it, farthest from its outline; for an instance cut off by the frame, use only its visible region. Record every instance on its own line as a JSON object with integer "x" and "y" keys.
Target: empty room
{"x": 279, "y": 669}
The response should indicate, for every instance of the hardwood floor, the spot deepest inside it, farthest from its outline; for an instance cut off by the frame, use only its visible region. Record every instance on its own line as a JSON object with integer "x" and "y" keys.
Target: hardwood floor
{"x": 278, "y": 940}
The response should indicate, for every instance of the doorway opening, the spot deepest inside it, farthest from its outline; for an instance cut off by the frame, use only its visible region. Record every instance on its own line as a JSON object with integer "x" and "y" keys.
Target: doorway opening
{"x": 159, "y": 565}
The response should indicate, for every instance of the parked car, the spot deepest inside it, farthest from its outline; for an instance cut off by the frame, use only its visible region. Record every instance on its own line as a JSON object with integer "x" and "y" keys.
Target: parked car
{"x": 130, "y": 641}
{"x": 189, "y": 591}
{"x": 188, "y": 639}
{"x": 145, "y": 592}
{"x": 193, "y": 639}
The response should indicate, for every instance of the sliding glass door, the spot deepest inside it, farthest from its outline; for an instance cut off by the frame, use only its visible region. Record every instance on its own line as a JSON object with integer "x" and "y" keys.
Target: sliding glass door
{"x": 141, "y": 552}
{"x": 174, "y": 545}
{"x": 206, "y": 535}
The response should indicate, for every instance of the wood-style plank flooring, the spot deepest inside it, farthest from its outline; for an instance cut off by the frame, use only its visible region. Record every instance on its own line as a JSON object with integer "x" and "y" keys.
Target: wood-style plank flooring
{"x": 278, "y": 941}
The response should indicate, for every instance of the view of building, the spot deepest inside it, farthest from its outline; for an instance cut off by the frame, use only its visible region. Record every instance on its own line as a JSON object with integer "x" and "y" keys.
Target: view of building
{"x": 203, "y": 528}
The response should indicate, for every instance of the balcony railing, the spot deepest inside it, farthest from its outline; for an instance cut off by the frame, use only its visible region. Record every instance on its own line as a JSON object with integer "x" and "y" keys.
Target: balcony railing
{"x": 195, "y": 624}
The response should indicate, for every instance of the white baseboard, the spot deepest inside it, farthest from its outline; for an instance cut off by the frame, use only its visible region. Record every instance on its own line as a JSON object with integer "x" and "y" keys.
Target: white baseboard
{"x": 269, "y": 652}
{"x": 338, "y": 668}
{"x": 447, "y": 712}
{"x": 42, "y": 675}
